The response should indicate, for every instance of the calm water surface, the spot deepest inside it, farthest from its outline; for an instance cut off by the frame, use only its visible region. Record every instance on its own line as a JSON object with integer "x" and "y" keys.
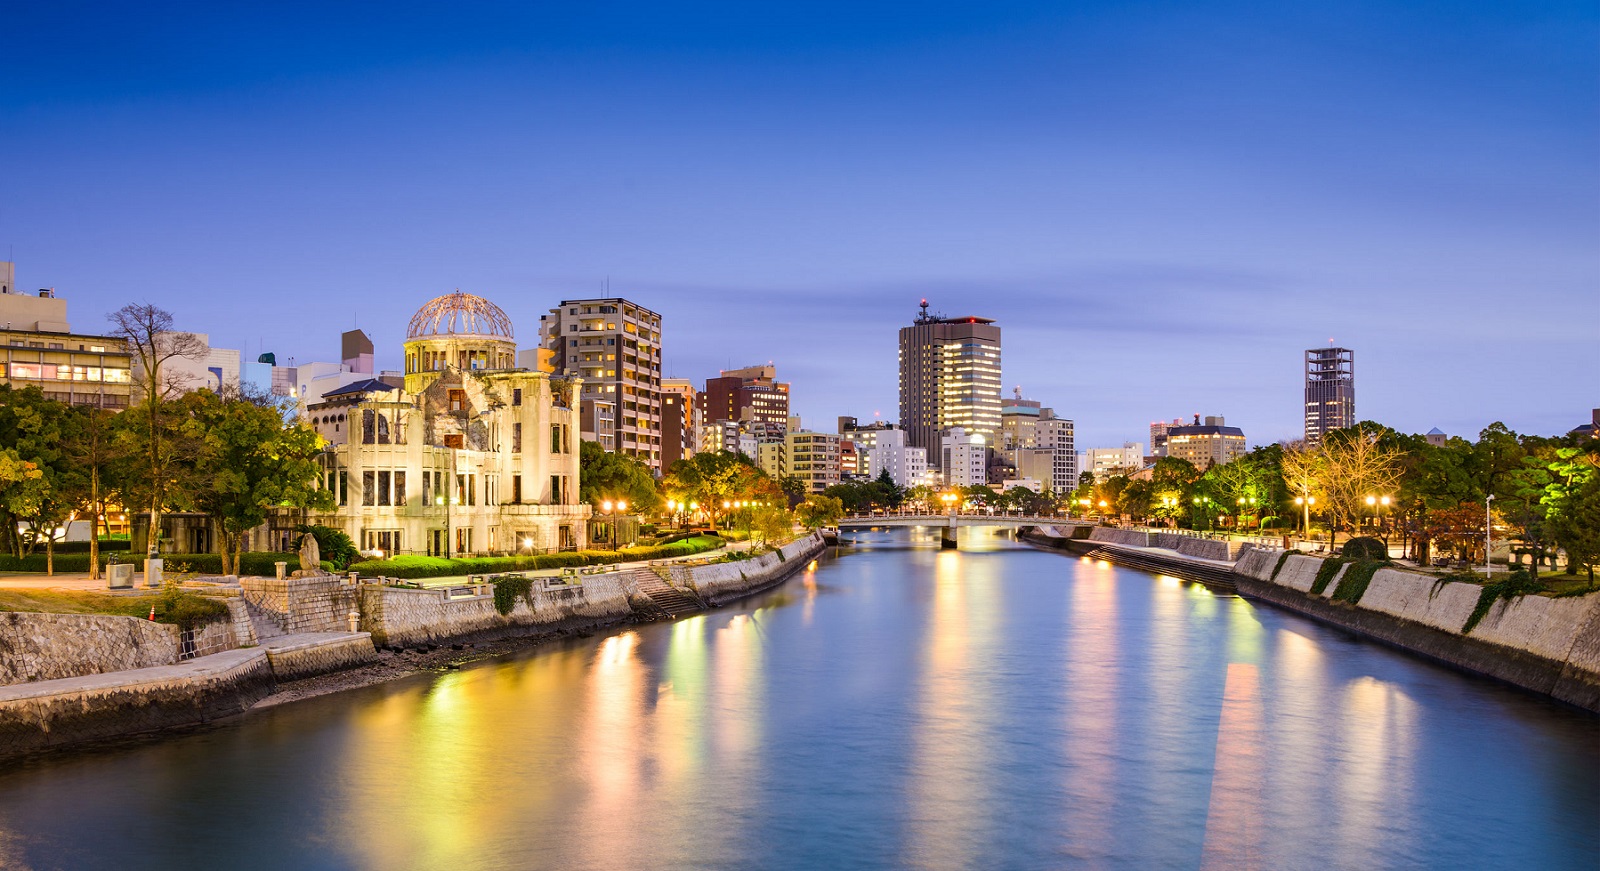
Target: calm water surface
{"x": 899, "y": 707}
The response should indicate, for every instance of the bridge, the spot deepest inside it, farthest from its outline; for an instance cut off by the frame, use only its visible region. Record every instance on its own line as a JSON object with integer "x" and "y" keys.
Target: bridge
{"x": 949, "y": 522}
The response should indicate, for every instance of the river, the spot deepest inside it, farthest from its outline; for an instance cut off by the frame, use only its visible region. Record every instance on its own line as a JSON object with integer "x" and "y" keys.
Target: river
{"x": 899, "y": 706}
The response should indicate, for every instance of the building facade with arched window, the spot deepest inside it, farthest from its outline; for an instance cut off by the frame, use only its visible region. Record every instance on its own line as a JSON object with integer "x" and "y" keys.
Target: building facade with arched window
{"x": 471, "y": 455}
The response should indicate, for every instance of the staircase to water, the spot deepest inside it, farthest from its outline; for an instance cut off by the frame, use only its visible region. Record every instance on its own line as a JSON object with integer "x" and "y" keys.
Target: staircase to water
{"x": 666, "y": 598}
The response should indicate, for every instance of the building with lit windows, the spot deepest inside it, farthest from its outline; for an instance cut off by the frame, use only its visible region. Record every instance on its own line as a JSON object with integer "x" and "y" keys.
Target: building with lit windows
{"x": 813, "y": 458}
{"x": 1104, "y": 462}
{"x": 680, "y": 420}
{"x": 949, "y": 377}
{"x": 39, "y": 349}
{"x": 1330, "y": 392}
{"x": 1208, "y": 444}
{"x": 614, "y": 346}
{"x": 907, "y": 465}
{"x": 471, "y": 455}
{"x": 1037, "y": 444}
{"x": 964, "y": 458}
{"x": 751, "y": 394}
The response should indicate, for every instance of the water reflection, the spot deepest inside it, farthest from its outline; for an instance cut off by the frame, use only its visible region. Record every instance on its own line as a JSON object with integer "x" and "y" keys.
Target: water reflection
{"x": 1091, "y": 715}
{"x": 950, "y": 781}
{"x": 986, "y": 708}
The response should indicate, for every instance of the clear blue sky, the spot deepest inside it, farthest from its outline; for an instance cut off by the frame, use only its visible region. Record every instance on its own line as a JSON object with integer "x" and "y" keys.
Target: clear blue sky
{"x": 1162, "y": 204}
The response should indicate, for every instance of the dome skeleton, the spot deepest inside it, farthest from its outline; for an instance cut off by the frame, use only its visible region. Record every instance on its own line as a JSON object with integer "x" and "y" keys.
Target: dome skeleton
{"x": 459, "y": 314}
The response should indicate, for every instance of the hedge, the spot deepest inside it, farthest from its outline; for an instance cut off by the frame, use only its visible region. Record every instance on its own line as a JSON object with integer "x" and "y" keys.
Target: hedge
{"x": 260, "y": 564}
{"x": 83, "y": 546}
{"x": 441, "y": 567}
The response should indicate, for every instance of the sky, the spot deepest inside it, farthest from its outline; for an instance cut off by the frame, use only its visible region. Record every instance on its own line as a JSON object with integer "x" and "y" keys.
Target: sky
{"x": 1161, "y": 204}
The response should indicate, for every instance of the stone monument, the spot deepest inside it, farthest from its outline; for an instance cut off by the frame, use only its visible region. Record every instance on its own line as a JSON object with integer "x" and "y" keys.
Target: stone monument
{"x": 310, "y": 556}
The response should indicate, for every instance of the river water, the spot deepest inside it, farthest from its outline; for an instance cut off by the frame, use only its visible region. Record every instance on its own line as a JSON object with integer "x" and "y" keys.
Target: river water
{"x": 995, "y": 707}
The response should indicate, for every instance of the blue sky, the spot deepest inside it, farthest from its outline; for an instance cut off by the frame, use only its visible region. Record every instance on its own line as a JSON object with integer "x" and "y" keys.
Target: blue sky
{"x": 1162, "y": 204}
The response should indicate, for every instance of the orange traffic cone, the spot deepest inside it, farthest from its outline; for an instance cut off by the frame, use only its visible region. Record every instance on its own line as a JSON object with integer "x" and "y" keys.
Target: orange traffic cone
{"x": 152, "y": 613}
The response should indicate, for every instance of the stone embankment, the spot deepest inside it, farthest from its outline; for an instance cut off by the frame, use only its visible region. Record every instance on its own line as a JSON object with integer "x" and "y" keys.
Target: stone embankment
{"x": 1548, "y": 645}
{"x": 75, "y": 678}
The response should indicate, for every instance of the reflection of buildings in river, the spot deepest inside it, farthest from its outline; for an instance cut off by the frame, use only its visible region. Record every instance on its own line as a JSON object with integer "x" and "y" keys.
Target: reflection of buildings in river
{"x": 462, "y": 788}
{"x": 1235, "y": 815}
{"x": 1091, "y": 691}
{"x": 1375, "y": 772}
{"x": 610, "y": 755}
{"x": 953, "y": 734}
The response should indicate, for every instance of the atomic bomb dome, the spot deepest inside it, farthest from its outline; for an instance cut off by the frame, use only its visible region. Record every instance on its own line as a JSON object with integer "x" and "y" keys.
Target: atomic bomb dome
{"x": 459, "y": 314}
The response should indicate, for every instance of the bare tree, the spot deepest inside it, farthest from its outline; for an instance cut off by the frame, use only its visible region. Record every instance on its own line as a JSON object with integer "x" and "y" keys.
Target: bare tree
{"x": 147, "y": 329}
{"x": 1355, "y": 466}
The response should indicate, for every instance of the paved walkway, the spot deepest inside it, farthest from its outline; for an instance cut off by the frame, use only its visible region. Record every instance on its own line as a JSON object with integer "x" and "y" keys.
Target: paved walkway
{"x": 200, "y": 666}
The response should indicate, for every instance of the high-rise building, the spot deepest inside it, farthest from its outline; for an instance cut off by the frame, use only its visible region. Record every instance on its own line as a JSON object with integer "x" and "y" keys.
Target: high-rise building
{"x": 615, "y": 346}
{"x": 749, "y": 394}
{"x": 1330, "y": 391}
{"x": 949, "y": 377}
{"x": 38, "y": 349}
{"x": 1208, "y": 444}
{"x": 680, "y": 420}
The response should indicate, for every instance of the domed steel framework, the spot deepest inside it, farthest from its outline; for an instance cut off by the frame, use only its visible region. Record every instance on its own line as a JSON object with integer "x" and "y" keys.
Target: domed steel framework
{"x": 459, "y": 314}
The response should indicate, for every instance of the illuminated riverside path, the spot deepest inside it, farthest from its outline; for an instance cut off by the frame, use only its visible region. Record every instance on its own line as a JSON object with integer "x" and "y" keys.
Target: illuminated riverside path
{"x": 990, "y": 707}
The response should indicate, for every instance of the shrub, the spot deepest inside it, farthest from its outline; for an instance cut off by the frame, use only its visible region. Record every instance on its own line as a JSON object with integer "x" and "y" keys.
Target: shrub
{"x": 1329, "y": 568}
{"x": 1365, "y": 547}
{"x": 1354, "y": 583}
{"x": 509, "y": 588}
{"x": 106, "y": 546}
{"x": 332, "y": 545}
{"x": 441, "y": 567}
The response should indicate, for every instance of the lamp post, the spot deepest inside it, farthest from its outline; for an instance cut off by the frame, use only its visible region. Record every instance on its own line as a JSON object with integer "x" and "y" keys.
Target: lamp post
{"x": 1305, "y": 502}
{"x": 1488, "y": 537}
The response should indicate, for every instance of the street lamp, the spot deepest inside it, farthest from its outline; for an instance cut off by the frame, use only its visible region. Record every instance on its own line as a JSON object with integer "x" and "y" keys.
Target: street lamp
{"x": 1488, "y": 538}
{"x": 1305, "y": 502}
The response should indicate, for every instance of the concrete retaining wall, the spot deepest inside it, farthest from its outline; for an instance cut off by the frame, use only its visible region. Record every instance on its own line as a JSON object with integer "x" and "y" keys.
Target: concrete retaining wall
{"x": 1130, "y": 537}
{"x": 56, "y": 713}
{"x": 717, "y": 583}
{"x": 1203, "y": 548}
{"x": 1257, "y": 564}
{"x": 43, "y": 647}
{"x": 398, "y": 617}
{"x": 1547, "y": 645}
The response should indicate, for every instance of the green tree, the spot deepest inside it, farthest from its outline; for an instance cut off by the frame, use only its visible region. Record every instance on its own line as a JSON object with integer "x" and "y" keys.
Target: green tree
{"x": 149, "y": 333}
{"x": 243, "y": 461}
{"x": 718, "y": 479}
{"x": 819, "y": 510}
{"x": 39, "y": 431}
{"x": 771, "y": 523}
{"x": 1575, "y": 525}
{"x": 604, "y": 475}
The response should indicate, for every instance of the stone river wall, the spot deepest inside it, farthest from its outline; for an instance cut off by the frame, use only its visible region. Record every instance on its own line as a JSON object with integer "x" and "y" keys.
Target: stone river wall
{"x": 400, "y": 617}
{"x": 717, "y": 583}
{"x": 43, "y": 647}
{"x": 46, "y": 714}
{"x": 1548, "y": 645}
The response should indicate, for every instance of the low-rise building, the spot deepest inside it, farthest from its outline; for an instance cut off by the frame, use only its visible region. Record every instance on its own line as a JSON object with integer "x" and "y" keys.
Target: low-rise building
{"x": 472, "y": 454}
{"x": 813, "y": 458}
{"x": 39, "y": 349}
{"x": 1105, "y": 462}
{"x": 907, "y": 465}
{"x": 1206, "y": 444}
{"x": 966, "y": 458}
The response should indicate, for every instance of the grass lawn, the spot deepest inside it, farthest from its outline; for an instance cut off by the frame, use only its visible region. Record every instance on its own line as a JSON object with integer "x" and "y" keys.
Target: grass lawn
{"x": 57, "y": 602}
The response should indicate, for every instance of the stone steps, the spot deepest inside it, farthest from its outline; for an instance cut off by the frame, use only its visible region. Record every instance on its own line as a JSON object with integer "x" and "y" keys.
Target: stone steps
{"x": 672, "y": 601}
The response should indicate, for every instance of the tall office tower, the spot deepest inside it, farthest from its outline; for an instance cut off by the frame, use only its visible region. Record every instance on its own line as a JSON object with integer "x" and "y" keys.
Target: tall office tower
{"x": 615, "y": 346}
{"x": 1330, "y": 391}
{"x": 752, "y": 394}
{"x": 949, "y": 377}
{"x": 680, "y": 420}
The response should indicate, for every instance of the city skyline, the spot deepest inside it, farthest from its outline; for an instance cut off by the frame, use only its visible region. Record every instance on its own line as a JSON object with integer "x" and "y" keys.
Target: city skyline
{"x": 1123, "y": 190}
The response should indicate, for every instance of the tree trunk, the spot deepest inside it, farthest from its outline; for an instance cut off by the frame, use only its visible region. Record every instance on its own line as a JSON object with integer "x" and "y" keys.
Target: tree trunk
{"x": 50, "y": 556}
{"x": 94, "y": 524}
